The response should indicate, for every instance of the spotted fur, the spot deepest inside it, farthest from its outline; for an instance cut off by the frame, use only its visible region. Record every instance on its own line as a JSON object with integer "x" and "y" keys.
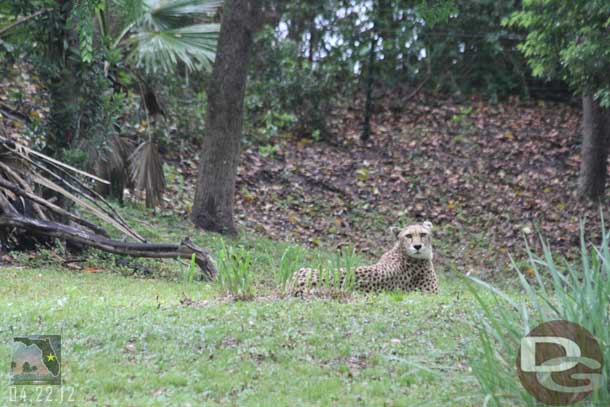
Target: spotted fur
{"x": 407, "y": 267}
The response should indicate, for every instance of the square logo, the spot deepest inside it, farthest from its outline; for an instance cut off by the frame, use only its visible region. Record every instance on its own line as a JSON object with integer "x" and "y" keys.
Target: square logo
{"x": 36, "y": 360}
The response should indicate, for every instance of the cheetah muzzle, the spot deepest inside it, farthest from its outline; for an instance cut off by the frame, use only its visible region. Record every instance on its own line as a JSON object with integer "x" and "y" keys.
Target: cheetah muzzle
{"x": 407, "y": 267}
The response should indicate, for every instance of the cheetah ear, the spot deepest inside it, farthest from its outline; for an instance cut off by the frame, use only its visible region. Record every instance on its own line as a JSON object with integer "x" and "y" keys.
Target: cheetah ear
{"x": 427, "y": 225}
{"x": 395, "y": 230}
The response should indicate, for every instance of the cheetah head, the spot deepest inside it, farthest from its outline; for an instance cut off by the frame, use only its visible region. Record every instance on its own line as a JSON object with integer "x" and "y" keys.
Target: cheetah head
{"x": 416, "y": 240}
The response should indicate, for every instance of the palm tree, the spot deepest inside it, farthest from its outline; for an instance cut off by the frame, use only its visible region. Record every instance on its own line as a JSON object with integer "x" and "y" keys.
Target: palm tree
{"x": 155, "y": 36}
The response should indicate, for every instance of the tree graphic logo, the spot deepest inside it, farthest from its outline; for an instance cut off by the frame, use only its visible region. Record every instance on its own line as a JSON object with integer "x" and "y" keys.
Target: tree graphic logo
{"x": 560, "y": 363}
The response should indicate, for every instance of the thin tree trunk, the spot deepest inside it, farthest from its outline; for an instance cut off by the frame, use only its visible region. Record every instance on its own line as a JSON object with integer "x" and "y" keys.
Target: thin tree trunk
{"x": 214, "y": 195}
{"x": 595, "y": 145}
{"x": 312, "y": 39}
{"x": 368, "y": 103}
{"x": 62, "y": 81}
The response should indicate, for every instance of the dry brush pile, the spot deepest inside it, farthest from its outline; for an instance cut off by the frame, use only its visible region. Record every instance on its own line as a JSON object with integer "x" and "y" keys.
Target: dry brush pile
{"x": 37, "y": 193}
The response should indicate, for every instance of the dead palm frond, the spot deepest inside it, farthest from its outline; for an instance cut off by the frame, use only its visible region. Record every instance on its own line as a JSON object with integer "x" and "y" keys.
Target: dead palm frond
{"x": 18, "y": 194}
{"x": 107, "y": 157}
{"x": 116, "y": 154}
{"x": 146, "y": 172}
{"x": 60, "y": 178}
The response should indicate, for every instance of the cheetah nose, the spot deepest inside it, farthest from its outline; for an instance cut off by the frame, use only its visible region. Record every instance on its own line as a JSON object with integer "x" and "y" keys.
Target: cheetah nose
{"x": 417, "y": 246}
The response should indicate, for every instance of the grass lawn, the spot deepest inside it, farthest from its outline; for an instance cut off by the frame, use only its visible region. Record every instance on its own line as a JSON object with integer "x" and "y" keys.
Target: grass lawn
{"x": 128, "y": 340}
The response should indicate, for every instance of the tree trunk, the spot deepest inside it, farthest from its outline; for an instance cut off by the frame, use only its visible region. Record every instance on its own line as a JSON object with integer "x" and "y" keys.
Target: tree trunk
{"x": 368, "y": 103}
{"x": 595, "y": 144}
{"x": 213, "y": 205}
{"x": 62, "y": 81}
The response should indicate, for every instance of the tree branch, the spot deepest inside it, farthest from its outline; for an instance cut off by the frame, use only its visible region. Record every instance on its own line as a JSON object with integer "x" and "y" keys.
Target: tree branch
{"x": 26, "y": 188}
{"x": 183, "y": 250}
{"x": 23, "y": 20}
{"x": 43, "y": 202}
{"x": 417, "y": 89}
{"x": 77, "y": 186}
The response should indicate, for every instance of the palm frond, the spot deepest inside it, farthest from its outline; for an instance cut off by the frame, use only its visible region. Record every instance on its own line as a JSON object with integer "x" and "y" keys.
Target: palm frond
{"x": 60, "y": 178}
{"x": 117, "y": 153}
{"x": 52, "y": 221}
{"x": 59, "y": 163}
{"x": 179, "y": 13}
{"x": 47, "y": 183}
{"x": 146, "y": 171}
{"x": 168, "y": 32}
{"x": 161, "y": 50}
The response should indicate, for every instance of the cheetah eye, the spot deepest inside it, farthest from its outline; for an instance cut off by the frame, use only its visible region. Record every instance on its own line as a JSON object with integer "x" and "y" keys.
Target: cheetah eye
{"x": 423, "y": 235}
{"x": 409, "y": 236}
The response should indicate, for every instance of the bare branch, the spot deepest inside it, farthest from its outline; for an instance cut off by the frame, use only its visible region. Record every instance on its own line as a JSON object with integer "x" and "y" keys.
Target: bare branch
{"x": 8, "y": 170}
{"x": 5, "y": 205}
{"x": 38, "y": 200}
{"x": 183, "y": 250}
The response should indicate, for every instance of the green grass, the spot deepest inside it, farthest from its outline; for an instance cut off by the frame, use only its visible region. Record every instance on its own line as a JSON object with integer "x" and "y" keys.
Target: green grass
{"x": 234, "y": 274}
{"x": 128, "y": 340}
{"x": 390, "y": 349}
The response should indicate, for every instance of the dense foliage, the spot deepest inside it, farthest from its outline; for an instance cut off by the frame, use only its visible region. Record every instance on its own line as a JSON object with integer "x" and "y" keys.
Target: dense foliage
{"x": 100, "y": 60}
{"x": 308, "y": 54}
{"x": 319, "y": 49}
{"x": 568, "y": 40}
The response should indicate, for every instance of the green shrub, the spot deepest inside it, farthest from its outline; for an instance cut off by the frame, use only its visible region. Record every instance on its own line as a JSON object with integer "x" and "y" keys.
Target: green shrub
{"x": 578, "y": 293}
{"x": 289, "y": 93}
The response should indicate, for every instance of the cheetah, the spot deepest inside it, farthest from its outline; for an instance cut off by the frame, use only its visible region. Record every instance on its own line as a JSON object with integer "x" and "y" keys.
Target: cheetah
{"x": 407, "y": 267}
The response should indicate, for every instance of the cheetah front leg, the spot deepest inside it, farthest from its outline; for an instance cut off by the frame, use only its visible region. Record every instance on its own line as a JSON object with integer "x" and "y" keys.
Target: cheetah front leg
{"x": 428, "y": 283}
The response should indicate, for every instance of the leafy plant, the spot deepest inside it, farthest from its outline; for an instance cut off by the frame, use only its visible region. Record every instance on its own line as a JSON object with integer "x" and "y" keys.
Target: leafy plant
{"x": 346, "y": 262}
{"x": 121, "y": 44}
{"x": 578, "y": 293}
{"x": 189, "y": 273}
{"x": 287, "y": 91}
{"x": 82, "y": 21}
{"x": 234, "y": 276}
{"x": 288, "y": 264}
{"x": 337, "y": 272}
{"x": 269, "y": 150}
